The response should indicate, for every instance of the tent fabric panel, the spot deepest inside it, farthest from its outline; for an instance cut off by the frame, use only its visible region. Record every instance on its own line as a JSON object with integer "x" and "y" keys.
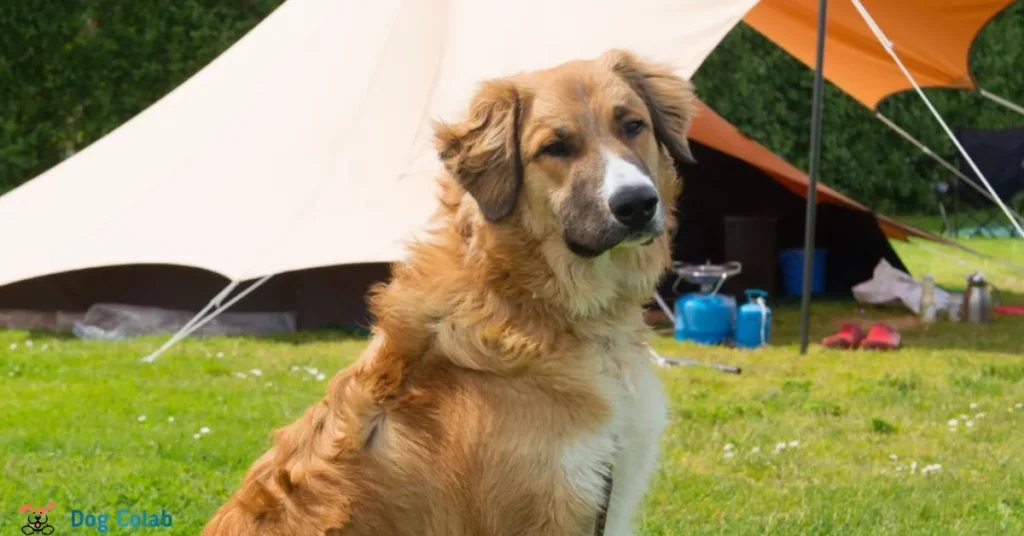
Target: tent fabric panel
{"x": 308, "y": 142}
{"x": 932, "y": 38}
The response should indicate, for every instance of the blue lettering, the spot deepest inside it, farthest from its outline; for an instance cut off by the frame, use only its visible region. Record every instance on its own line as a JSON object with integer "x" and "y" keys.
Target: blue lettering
{"x": 90, "y": 520}
{"x": 76, "y": 518}
{"x": 121, "y": 522}
{"x": 165, "y": 519}
{"x": 135, "y": 521}
{"x": 154, "y": 521}
{"x": 102, "y": 524}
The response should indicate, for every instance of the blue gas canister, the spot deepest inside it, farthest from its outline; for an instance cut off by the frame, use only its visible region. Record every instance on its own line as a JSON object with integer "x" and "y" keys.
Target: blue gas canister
{"x": 754, "y": 320}
{"x": 704, "y": 318}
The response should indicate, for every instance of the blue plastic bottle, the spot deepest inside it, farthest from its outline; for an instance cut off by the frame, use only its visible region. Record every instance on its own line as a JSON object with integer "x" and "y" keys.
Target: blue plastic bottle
{"x": 754, "y": 320}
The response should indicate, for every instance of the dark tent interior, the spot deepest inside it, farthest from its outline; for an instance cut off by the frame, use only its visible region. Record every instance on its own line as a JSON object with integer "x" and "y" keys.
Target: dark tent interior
{"x": 732, "y": 211}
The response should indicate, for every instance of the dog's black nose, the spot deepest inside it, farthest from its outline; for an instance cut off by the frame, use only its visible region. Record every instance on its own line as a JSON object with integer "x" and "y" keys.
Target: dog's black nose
{"x": 634, "y": 206}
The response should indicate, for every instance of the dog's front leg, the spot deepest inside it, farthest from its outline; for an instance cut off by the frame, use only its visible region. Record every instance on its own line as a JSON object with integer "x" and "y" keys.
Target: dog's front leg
{"x": 637, "y": 448}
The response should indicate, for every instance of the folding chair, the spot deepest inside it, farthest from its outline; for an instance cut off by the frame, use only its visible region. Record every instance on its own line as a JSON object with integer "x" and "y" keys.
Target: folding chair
{"x": 999, "y": 154}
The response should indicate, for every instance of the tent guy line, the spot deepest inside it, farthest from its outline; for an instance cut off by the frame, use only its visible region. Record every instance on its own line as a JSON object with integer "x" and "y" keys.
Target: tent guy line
{"x": 199, "y": 320}
{"x": 1001, "y": 101}
{"x": 887, "y": 45}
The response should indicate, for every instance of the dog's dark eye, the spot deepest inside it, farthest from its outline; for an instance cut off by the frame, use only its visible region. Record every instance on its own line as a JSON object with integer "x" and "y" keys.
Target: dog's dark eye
{"x": 632, "y": 128}
{"x": 558, "y": 149}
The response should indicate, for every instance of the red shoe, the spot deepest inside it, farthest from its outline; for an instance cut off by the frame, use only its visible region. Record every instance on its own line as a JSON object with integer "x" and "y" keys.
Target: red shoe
{"x": 848, "y": 336}
{"x": 881, "y": 337}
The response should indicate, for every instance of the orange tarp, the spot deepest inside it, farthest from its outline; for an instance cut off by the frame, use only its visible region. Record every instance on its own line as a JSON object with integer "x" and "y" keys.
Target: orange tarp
{"x": 714, "y": 131}
{"x": 932, "y": 37}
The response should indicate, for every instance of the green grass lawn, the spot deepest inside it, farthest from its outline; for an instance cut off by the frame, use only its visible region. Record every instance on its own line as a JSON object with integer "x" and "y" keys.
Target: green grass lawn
{"x": 85, "y": 424}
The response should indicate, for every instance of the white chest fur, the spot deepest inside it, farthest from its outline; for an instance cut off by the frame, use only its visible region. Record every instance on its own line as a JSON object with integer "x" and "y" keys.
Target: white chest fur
{"x": 629, "y": 442}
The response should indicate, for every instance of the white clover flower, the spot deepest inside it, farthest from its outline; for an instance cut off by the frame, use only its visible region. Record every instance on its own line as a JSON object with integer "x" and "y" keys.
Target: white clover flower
{"x": 240, "y": 375}
{"x": 196, "y": 436}
{"x": 979, "y": 416}
{"x": 29, "y": 343}
{"x": 974, "y": 405}
{"x": 256, "y": 372}
{"x": 969, "y": 424}
{"x": 913, "y": 467}
{"x": 755, "y": 450}
{"x": 13, "y": 346}
{"x": 45, "y": 347}
{"x": 893, "y": 457}
{"x": 142, "y": 418}
{"x": 953, "y": 422}
{"x": 1018, "y": 405}
{"x": 220, "y": 355}
{"x": 964, "y": 417}
{"x": 204, "y": 430}
{"x": 899, "y": 468}
{"x": 320, "y": 377}
{"x": 794, "y": 444}
{"x": 170, "y": 419}
{"x": 730, "y": 454}
{"x": 295, "y": 368}
{"x": 729, "y": 446}
{"x": 779, "y": 447}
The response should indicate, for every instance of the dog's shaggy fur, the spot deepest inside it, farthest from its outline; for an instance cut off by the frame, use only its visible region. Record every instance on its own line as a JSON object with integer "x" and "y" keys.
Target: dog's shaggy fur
{"x": 509, "y": 366}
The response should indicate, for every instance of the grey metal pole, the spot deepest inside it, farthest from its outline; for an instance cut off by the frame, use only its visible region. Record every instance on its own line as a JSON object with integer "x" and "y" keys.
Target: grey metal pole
{"x": 812, "y": 183}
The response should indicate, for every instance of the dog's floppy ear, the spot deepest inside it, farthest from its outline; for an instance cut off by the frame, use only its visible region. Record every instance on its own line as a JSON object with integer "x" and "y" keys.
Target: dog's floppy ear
{"x": 482, "y": 152}
{"x": 669, "y": 99}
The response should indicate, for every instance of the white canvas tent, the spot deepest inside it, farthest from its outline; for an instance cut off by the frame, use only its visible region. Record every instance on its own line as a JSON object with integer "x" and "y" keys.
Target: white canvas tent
{"x": 307, "y": 143}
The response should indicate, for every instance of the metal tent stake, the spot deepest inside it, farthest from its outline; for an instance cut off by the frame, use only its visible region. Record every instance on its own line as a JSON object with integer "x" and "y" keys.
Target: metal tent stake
{"x": 812, "y": 183}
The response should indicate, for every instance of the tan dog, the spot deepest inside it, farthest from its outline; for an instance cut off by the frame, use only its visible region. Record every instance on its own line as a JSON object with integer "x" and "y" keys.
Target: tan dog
{"x": 509, "y": 367}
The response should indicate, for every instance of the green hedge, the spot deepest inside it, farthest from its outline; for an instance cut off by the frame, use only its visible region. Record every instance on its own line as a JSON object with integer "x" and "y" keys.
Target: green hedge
{"x": 72, "y": 70}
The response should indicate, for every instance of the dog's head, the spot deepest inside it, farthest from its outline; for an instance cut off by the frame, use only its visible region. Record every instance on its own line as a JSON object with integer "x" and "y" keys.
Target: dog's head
{"x": 582, "y": 153}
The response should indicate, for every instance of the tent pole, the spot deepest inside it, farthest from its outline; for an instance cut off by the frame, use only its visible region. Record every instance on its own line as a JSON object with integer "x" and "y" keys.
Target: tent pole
{"x": 931, "y": 154}
{"x": 812, "y": 183}
{"x": 1001, "y": 101}
{"x": 664, "y": 307}
{"x": 888, "y": 46}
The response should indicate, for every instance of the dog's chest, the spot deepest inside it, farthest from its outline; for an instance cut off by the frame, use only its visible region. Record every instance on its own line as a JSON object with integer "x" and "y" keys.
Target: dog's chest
{"x": 632, "y": 391}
